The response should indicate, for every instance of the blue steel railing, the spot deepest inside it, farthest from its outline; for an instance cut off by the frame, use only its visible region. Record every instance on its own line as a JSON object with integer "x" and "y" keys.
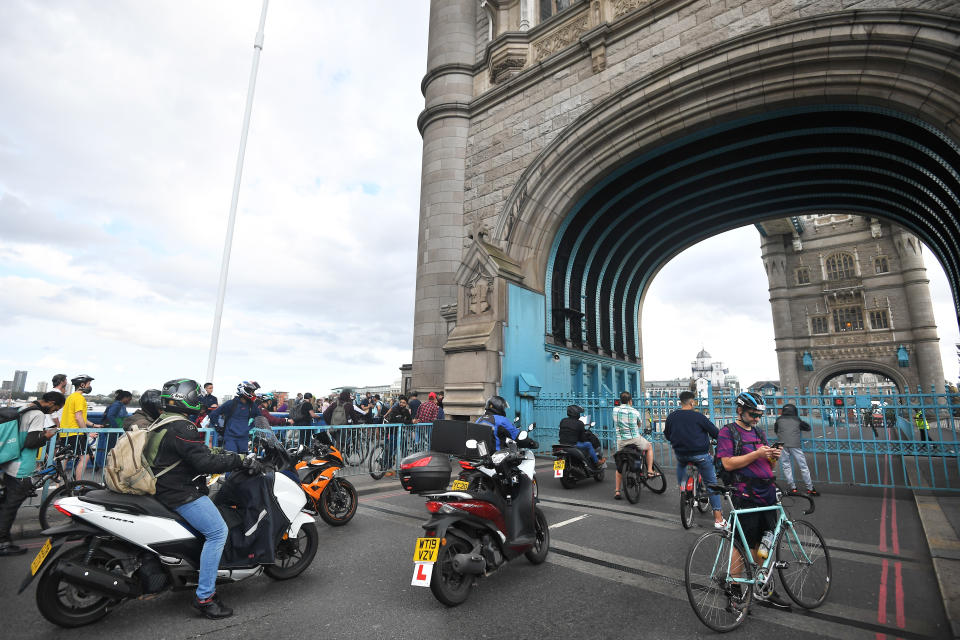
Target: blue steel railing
{"x": 852, "y": 440}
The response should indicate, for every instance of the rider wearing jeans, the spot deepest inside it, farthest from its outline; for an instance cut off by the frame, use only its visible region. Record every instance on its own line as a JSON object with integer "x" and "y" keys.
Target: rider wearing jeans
{"x": 573, "y": 433}
{"x": 689, "y": 432}
{"x": 182, "y": 445}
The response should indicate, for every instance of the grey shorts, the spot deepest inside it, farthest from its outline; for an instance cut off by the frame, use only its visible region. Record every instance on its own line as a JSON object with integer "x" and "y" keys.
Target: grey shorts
{"x": 642, "y": 443}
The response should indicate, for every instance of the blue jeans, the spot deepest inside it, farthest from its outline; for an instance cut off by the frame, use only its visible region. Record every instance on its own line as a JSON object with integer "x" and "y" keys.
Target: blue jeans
{"x": 587, "y": 448}
{"x": 205, "y": 518}
{"x": 704, "y": 462}
{"x": 231, "y": 443}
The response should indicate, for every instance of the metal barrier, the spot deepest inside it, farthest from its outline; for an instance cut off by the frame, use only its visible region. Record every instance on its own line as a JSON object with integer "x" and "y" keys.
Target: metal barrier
{"x": 865, "y": 437}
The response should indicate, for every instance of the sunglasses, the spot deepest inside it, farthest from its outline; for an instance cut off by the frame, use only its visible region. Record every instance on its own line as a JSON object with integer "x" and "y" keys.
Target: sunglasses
{"x": 753, "y": 414}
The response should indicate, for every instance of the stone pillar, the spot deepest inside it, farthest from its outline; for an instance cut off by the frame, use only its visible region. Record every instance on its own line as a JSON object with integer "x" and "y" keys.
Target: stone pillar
{"x": 925, "y": 351}
{"x": 773, "y": 253}
{"x": 448, "y": 89}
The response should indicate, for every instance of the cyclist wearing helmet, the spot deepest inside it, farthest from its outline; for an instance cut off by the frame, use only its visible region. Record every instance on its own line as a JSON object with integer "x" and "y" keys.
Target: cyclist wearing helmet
{"x": 183, "y": 446}
{"x": 264, "y": 400}
{"x": 74, "y": 418}
{"x": 149, "y": 411}
{"x": 494, "y": 414}
{"x": 753, "y": 472}
{"x": 574, "y": 433}
{"x": 237, "y": 415}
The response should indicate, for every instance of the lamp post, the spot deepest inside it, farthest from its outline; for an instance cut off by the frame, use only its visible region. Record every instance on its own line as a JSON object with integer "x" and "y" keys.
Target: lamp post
{"x": 228, "y": 242}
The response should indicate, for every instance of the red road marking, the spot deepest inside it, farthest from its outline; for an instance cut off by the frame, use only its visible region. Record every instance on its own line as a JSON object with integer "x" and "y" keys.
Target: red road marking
{"x": 889, "y": 495}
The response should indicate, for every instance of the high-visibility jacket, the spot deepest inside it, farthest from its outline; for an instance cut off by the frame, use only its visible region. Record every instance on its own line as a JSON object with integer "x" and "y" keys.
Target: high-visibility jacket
{"x": 920, "y": 421}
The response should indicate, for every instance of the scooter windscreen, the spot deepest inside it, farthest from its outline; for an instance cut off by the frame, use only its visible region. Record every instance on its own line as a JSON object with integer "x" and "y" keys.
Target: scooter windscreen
{"x": 265, "y": 440}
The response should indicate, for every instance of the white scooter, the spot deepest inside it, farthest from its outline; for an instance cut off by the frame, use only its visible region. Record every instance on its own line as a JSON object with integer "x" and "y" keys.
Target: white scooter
{"x": 132, "y": 546}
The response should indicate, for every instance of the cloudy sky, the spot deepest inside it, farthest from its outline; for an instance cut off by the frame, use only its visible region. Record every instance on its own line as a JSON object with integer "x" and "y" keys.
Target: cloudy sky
{"x": 119, "y": 127}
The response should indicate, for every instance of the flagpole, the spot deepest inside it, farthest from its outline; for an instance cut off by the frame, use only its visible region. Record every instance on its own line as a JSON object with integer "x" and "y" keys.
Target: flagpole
{"x": 228, "y": 242}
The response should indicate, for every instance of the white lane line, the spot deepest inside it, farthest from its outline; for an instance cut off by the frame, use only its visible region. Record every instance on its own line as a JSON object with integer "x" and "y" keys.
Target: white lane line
{"x": 566, "y": 522}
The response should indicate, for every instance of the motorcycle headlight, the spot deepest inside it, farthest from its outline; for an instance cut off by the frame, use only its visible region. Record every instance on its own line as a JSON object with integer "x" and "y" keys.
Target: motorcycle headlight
{"x": 499, "y": 457}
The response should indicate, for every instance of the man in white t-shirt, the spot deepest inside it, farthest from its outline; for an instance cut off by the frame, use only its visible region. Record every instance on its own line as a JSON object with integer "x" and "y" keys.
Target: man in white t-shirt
{"x": 52, "y": 420}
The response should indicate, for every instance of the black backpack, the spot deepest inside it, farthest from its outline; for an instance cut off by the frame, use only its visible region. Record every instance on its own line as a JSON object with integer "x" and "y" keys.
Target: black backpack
{"x": 731, "y": 477}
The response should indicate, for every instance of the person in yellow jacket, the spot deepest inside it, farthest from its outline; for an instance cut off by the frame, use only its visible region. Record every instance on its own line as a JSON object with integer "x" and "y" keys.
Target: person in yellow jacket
{"x": 74, "y": 419}
{"x": 922, "y": 426}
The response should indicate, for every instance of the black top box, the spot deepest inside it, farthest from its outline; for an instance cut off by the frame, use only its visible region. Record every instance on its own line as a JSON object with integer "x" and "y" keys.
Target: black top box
{"x": 450, "y": 436}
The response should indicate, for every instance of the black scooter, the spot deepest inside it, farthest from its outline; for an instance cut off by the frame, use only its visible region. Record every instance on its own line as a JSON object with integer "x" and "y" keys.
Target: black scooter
{"x": 573, "y": 465}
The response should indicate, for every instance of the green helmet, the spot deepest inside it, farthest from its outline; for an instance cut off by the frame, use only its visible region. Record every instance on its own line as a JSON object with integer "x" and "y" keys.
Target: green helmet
{"x": 181, "y": 396}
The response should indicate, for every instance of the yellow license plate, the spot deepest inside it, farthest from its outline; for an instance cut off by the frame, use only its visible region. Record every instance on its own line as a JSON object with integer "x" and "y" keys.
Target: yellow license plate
{"x": 44, "y": 552}
{"x": 460, "y": 485}
{"x": 558, "y": 465}
{"x": 427, "y": 550}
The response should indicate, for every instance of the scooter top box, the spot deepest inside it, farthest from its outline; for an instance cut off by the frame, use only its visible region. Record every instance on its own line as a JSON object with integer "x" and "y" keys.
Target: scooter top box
{"x": 425, "y": 472}
{"x": 450, "y": 436}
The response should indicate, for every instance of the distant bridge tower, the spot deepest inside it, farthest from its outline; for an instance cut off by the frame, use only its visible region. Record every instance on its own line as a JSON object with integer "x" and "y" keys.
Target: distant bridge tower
{"x": 849, "y": 294}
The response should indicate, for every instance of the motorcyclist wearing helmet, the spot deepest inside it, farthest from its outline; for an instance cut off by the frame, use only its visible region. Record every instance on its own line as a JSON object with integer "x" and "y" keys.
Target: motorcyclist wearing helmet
{"x": 181, "y": 457}
{"x": 237, "y": 415}
{"x": 755, "y": 470}
{"x": 74, "y": 418}
{"x": 149, "y": 411}
{"x": 494, "y": 414}
{"x": 573, "y": 432}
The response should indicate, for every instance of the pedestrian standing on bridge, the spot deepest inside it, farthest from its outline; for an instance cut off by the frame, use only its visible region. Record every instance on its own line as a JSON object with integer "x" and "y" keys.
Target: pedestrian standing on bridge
{"x": 788, "y": 428}
{"x": 921, "y": 421}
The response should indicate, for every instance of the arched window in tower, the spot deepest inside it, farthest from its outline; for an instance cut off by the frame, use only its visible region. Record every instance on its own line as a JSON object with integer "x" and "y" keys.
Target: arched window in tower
{"x": 881, "y": 265}
{"x": 840, "y": 267}
{"x": 803, "y": 275}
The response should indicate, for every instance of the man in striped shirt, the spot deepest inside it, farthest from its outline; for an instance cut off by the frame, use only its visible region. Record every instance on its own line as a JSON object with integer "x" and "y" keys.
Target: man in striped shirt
{"x": 626, "y": 422}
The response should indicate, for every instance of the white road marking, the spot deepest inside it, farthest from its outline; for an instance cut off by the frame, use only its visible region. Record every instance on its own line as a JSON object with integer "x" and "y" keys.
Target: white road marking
{"x": 566, "y": 522}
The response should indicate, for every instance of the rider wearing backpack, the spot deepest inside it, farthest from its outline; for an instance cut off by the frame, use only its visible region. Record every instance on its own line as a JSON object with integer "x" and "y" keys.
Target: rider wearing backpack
{"x": 17, "y": 472}
{"x": 750, "y": 467}
{"x": 184, "y": 455}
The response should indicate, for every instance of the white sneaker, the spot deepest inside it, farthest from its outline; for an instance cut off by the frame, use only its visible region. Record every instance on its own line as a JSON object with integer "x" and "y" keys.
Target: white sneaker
{"x": 720, "y": 525}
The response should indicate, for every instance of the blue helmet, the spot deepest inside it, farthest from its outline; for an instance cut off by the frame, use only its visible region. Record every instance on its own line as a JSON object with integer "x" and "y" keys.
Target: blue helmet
{"x": 751, "y": 400}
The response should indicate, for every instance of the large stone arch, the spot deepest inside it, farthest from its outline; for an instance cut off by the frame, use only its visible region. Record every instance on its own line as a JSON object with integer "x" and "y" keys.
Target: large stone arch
{"x": 901, "y": 65}
{"x": 853, "y": 366}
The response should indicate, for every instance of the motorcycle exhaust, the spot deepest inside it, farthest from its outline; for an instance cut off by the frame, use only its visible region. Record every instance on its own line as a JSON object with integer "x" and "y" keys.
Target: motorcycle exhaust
{"x": 469, "y": 564}
{"x": 102, "y": 581}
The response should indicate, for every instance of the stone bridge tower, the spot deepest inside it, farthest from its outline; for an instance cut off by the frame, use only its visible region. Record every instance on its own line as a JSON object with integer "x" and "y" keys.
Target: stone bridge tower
{"x": 849, "y": 294}
{"x": 572, "y": 147}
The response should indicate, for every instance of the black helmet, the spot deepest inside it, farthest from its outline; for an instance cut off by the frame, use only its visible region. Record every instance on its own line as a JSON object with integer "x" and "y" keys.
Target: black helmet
{"x": 751, "y": 400}
{"x": 150, "y": 402}
{"x": 574, "y": 411}
{"x": 497, "y": 405}
{"x": 181, "y": 396}
{"x": 81, "y": 379}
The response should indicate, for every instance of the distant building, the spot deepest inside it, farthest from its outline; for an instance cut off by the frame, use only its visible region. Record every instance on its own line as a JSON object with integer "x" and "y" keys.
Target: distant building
{"x": 19, "y": 381}
{"x": 765, "y": 387}
{"x": 6, "y": 385}
{"x": 707, "y": 374}
{"x": 42, "y": 387}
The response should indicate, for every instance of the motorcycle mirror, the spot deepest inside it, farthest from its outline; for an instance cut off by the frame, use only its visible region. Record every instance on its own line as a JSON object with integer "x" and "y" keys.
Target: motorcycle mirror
{"x": 517, "y": 419}
{"x": 532, "y": 426}
{"x": 522, "y": 435}
{"x": 593, "y": 424}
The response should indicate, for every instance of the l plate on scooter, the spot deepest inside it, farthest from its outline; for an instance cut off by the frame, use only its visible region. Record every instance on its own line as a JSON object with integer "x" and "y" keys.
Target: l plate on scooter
{"x": 558, "y": 466}
{"x": 426, "y": 550}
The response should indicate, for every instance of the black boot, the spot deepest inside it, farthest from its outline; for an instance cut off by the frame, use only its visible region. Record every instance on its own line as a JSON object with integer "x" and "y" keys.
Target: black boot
{"x": 10, "y": 549}
{"x": 212, "y": 608}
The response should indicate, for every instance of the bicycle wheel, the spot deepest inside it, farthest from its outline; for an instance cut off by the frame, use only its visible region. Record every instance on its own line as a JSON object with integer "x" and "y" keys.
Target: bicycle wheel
{"x": 686, "y": 509}
{"x": 49, "y": 516}
{"x": 630, "y": 484}
{"x": 804, "y": 564}
{"x": 378, "y": 461}
{"x": 656, "y": 483}
{"x": 720, "y": 603}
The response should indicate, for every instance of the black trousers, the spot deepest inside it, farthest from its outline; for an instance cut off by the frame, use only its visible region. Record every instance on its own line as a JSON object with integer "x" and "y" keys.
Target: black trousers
{"x": 17, "y": 490}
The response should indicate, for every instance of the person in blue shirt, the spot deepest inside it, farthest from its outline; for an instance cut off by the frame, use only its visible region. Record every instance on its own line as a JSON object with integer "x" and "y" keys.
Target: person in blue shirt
{"x": 112, "y": 419}
{"x": 237, "y": 415}
{"x": 494, "y": 414}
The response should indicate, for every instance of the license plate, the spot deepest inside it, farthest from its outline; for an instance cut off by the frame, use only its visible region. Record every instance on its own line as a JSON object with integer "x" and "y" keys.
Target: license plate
{"x": 460, "y": 485}
{"x": 558, "y": 466}
{"x": 44, "y": 552}
{"x": 426, "y": 550}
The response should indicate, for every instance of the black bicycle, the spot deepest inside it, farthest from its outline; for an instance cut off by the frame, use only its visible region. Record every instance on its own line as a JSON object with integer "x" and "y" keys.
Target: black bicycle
{"x": 632, "y": 465}
{"x": 694, "y": 495}
{"x": 57, "y": 474}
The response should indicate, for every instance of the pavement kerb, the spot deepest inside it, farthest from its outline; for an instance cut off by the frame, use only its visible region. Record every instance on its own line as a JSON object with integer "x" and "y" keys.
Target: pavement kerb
{"x": 944, "y": 545}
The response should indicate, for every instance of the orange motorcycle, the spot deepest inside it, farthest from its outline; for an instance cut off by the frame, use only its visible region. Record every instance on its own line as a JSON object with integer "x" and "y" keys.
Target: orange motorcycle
{"x": 332, "y": 497}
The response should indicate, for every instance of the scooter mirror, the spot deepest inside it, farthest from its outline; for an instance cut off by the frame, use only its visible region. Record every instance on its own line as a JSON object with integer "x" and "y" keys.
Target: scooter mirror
{"x": 532, "y": 426}
{"x": 517, "y": 419}
{"x": 593, "y": 424}
{"x": 471, "y": 444}
{"x": 522, "y": 436}
{"x": 481, "y": 448}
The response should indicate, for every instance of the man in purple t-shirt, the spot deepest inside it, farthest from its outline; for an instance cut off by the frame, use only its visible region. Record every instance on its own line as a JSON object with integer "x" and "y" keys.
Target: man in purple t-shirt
{"x": 755, "y": 470}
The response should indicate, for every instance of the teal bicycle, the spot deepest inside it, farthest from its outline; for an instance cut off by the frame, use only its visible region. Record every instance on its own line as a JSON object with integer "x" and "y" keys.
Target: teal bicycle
{"x": 722, "y": 579}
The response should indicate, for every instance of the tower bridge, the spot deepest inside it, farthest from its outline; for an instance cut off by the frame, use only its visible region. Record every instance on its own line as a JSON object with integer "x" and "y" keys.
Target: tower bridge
{"x": 572, "y": 148}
